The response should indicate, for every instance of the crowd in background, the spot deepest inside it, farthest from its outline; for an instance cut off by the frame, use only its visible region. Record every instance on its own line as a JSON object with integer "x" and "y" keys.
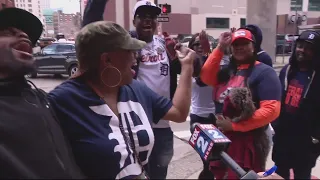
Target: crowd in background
{"x": 111, "y": 119}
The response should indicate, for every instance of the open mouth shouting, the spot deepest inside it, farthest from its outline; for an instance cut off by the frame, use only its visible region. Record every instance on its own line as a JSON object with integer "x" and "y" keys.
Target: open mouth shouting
{"x": 23, "y": 49}
{"x": 147, "y": 28}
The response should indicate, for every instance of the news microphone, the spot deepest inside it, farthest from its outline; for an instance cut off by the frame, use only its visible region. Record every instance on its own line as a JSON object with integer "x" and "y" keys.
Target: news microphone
{"x": 210, "y": 143}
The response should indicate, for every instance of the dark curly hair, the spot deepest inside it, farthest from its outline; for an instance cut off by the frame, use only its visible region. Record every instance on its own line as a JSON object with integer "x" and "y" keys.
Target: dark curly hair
{"x": 225, "y": 74}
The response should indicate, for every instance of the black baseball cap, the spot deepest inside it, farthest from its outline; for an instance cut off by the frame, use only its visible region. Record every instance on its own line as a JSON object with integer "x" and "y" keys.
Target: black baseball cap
{"x": 22, "y": 20}
{"x": 310, "y": 36}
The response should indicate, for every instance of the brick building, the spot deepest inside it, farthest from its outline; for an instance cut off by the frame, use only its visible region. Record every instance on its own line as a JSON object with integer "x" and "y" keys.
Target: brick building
{"x": 214, "y": 16}
{"x": 6, "y": 3}
{"x": 67, "y": 24}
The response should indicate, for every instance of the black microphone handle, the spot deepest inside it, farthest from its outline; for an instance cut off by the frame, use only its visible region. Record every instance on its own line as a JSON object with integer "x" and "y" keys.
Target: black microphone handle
{"x": 225, "y": 158}
{"x": 193, "y": 126}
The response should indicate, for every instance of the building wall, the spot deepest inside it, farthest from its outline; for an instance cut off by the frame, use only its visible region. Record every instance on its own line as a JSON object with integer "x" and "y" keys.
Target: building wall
{"x": 45, "y": 4}
{"x": 32, "y": 6}
{"x": 199, "y": 23}
{"x": 6, "y": 3}
{"x": 67, "y": 24}
{"x": 190, "y": 16}
{"x": 83, "y": 4}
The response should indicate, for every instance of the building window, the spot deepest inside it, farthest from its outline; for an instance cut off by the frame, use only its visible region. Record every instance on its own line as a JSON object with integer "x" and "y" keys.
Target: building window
{"x": 221, "y": 23}
{"x": 29, "y": 5}
{"x": 30, "y": 10}
{"x": 314, "y": 5}
{"x": 29, "y": 1}
{"x": 243, "y": 22}
{"x": 296, "y": 5}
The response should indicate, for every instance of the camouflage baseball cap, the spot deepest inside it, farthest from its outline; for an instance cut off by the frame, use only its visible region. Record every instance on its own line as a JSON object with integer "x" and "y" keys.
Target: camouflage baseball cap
{"x": 106, "y": 36}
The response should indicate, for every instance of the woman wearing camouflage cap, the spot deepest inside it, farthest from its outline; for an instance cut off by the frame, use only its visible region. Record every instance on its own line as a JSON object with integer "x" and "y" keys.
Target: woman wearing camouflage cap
{"x": 106, "y": 114}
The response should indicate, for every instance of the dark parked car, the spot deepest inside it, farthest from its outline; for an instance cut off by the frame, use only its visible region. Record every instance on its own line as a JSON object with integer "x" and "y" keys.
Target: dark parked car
{"x": 285, "y": 43}
{"x": 58, "y": 58}
{"x": 43, "y": 42}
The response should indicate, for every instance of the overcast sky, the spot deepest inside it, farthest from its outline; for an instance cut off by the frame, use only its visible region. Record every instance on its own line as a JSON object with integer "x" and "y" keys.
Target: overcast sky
{"x": 68, "y": 6}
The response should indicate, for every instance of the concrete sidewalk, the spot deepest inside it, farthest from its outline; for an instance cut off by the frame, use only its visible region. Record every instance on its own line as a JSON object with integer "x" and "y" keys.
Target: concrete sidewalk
{"x": 280, "y": 61}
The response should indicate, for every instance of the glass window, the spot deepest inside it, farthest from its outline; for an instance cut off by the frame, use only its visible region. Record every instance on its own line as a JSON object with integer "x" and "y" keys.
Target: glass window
{"x": 314, "y": 5}
{"x": 64, "y": 48}
{"x": 243, "y": 22}
{"x": 296, "y": 5}
{"x": 51, "y": 49}
{"x": 222, "y": 23}
{"x": 281, "y": 37}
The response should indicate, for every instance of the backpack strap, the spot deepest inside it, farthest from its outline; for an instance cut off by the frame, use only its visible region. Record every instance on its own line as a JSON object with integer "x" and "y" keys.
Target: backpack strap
{"x": 286, "y": 77}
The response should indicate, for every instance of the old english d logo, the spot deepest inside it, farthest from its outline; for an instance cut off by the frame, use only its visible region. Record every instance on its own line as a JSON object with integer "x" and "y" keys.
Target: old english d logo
{"x": 239, "y": 33}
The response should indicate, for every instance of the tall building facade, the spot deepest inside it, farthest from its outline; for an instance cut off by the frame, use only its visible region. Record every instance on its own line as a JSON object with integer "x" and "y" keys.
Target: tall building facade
{"x": 48, "y": 16}
{"x": 83, "y": 4}
{"x": 214, "y": 16}
{"x": 67, "y": 24}
{"x": 34, "y": 7}
{"x": 301, "y": 12}
{"x": 45, "y": 4}
{"x": 6, "y": 3}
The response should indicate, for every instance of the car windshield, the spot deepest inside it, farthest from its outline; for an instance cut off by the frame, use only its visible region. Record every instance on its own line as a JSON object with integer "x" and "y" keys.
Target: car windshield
{"x": 280, "y": 37}
{"x": 186, "y": 39}
{"x": 210, "y": 38}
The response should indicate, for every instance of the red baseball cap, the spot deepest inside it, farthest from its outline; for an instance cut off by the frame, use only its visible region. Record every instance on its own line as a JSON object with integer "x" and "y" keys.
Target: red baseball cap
{"x": 242, "y": 34}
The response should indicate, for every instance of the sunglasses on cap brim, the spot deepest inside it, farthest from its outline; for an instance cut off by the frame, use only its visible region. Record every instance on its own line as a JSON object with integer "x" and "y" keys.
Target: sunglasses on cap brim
{"x": 143, "y": 11}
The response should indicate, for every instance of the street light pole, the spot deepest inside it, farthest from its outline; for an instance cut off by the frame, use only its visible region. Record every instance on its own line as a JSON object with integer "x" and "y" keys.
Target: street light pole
{"x": 296, "y": 19}
{"x": 160, "y": 24}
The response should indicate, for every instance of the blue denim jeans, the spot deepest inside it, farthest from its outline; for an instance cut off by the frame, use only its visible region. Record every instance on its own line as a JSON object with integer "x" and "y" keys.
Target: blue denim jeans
{"x": 161, "y": 154}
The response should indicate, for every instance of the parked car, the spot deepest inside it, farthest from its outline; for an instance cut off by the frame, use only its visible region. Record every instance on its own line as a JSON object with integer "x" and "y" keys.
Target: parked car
{"x": 45, "y": 41}
{"x": 285, "y": 43}
{"x": 57, "y": 59}
{"x": 185, "y": 40}
{"x": 213, "y": 42}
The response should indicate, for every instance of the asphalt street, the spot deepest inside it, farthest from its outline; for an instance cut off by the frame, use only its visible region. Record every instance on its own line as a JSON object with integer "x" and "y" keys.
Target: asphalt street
{"x": 185, "y": 164}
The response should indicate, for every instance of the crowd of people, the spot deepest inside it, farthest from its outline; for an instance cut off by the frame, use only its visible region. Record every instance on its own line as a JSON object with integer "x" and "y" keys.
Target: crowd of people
{"x": 111, "y": 120}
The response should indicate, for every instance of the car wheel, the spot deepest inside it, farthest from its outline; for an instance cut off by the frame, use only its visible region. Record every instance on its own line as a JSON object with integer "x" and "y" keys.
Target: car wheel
{"x": 32, "y": 75}
{"x": 73, "y": 70}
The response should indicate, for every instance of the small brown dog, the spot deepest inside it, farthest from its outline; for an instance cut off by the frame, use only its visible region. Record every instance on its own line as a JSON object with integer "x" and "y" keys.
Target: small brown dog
{"x": 238, "y": 105}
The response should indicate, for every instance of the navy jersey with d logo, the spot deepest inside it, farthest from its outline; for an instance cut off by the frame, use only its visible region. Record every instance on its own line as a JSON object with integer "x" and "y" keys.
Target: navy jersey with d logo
{"x": 93, "y": 129}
